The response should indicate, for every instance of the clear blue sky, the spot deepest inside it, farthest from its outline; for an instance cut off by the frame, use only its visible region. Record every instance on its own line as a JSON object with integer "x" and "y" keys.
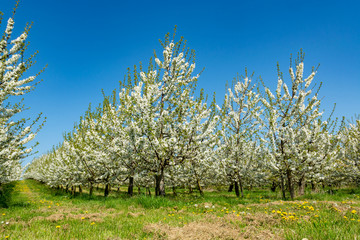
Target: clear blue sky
{"x": 88, "y": 45}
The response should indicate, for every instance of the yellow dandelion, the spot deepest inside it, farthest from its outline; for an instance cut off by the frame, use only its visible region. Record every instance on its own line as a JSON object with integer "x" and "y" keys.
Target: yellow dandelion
{"x": 3, "y": 214}
{"x": 353, "y": 219}
{"x": 353, "y": 211}
{"x": 316, "y": 216}
{"x": 7, "y": 236}
{"x": 92, "y": 223}
{"x": 58, "y": 226}
{"x": 345, "y": 217}
{"x": 82, "y": 218}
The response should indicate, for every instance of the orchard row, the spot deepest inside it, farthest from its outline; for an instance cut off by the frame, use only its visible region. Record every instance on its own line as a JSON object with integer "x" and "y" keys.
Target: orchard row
{"x": 158, "y": 130}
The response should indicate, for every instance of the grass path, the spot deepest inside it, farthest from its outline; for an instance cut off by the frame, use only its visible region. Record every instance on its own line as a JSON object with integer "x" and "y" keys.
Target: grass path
{"x": 38, "y": 212}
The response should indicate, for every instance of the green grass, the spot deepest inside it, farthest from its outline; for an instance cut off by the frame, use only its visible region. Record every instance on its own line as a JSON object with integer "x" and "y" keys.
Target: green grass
{"x": 31, "y": 210}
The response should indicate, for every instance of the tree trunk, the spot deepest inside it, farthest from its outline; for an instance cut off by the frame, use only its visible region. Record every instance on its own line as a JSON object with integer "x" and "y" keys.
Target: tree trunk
{"x": 160, "y": 184}
{"x": 139, "y": 190}
{"x": 237, "y": 189}
{"x": 199, "y": 187}
{"x": 313, "y": 186}
{"x": 148, "y": 191}
{"x": 282, "y": 187}
{"x": 290, "y": 184}
{"x": 91, "y": 189}
{"x": 301, "y": 186}
{"x": 107, "y": 190}
{"x": 241, "y": 186}
{"x": 231, "y": 187}
{"x": 157, "y": 185}
{"x": 131, "y": 186}
{"x": 80, "y": 189}
{"x": 241, "y": 189}
{"x": 174, "y": 191}
{"x": 273, "y": 187}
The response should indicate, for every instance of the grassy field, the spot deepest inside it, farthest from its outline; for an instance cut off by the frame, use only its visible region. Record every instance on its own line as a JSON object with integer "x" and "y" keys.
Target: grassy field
{"x": 37, "y": 212}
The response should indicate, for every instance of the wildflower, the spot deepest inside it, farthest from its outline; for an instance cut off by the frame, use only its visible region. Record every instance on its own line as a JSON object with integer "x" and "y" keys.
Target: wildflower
{"x": 92, "y": 223}
{"x": 7, "y": 236}
{"x": 82, "y": 218}
{"x": 316, "y": 216}
{"x": 353, "y": 211}
{"x": 3, "y": 214}
{"x": 58, "y": 226}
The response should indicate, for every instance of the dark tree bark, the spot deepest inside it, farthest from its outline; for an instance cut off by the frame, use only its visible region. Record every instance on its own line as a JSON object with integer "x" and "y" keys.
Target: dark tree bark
{"x": 231, "y": 187}
{"x": 273, "y": 186}
{"x": 107, "y": 190}
{"x": 237, "y": 192}
{"x": 91, "y": 189}
{"x": 160, "y": 184}
{"x": 290, "y": 184}
{"x": 301, "y": 185}
{"x": 282, "y": 185}
{"x": 131, "y": 186}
